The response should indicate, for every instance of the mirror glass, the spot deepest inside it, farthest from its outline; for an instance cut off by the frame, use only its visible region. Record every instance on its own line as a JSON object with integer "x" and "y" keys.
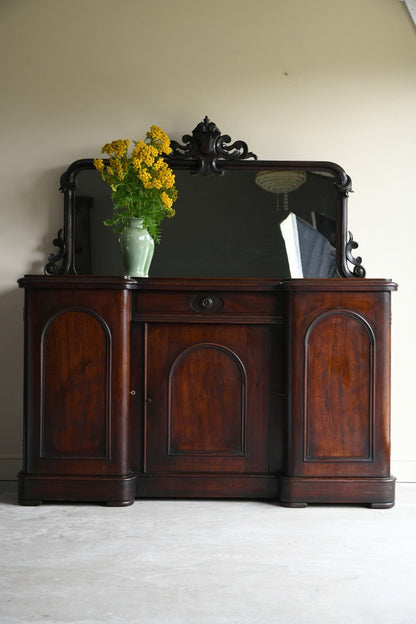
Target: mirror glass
{"x": 225, "y": 225}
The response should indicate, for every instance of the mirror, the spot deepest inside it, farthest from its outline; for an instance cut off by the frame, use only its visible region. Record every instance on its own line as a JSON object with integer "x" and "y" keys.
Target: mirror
{"x": 235, "y": 217}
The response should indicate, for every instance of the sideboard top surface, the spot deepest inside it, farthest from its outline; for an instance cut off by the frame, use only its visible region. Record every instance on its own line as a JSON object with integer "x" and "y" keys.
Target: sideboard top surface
{"x": 189, "y": 284}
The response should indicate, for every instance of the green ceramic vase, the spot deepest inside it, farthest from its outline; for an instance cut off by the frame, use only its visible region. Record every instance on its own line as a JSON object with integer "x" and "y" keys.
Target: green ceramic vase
{"x": 137, "y": 247}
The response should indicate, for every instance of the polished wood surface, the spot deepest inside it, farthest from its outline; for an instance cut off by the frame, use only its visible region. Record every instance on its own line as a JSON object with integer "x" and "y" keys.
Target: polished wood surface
{"x": 340, "y": 380}
{"x": 77, "y": 347}
{"x": 207, "y": 388}
{"x": 70, "y": 342}
{"x": 339, "y": 392}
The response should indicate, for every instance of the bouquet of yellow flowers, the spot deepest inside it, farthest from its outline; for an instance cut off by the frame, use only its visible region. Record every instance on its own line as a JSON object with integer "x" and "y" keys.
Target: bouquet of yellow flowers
{"x": 142, "y": 184}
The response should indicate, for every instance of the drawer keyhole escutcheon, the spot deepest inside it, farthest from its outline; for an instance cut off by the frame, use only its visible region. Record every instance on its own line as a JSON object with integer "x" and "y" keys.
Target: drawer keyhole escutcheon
{"x": 207, "y": 303}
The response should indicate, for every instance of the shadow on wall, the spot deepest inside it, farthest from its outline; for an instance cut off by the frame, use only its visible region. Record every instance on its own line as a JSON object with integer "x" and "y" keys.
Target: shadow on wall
{"x": 39, "y": 218}
{"x": 47, "y": 201}
{"x": 55, "y": 211}
{"x": 11, "y": 370}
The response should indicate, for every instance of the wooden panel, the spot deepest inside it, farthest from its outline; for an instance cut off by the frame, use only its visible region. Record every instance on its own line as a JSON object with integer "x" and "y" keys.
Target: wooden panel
{"x": 207, "y": 401}
{"x": 75, "y": 356}
{"x": 339, "y": 354}
{"x": 76, "y": 395}
{"x": 339, "y": 382}
{"x": 210, "y": 399}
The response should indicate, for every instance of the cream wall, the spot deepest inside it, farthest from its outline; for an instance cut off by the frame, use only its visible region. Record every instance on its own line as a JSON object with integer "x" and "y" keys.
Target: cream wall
{"x": 306, "y": 79}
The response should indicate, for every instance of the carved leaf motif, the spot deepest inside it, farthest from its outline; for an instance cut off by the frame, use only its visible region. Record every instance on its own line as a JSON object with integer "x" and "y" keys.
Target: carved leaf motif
{"x": 208, "y": 147}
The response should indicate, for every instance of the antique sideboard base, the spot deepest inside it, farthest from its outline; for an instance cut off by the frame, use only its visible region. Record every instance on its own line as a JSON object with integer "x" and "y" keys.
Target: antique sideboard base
{"x": 208, "y": 486}
{"x": 287, "y": 491}
{"x": 376, "y": 493}
{"x": 207, "y": 388}
{"x": 112, "y": 491}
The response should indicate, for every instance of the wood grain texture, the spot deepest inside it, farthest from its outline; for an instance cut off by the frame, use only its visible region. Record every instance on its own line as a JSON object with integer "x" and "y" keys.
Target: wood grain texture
{"x": 339, "y": 380}
{"x": 77, "y": 351}
{"x": 76, "y": 378}
{"x": 207, "y": 401}
{"x": 338, "y": 388}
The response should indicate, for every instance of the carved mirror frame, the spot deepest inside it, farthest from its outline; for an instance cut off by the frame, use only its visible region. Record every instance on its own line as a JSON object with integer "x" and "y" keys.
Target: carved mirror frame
{"x": 207, "y": 152}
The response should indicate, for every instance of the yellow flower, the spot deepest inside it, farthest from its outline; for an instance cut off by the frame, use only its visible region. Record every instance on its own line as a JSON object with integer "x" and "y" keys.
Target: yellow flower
{"x": 99, "y": 164}
{"x": 106, "y": 149}
{"x": 144, "y": 176}
{"x": 160, "y": 139}
{"x": 117, "y": 148}
{"x": 144, "y": 153}
{"x": 166, "y": 200}
{"x": 117, "y": 166}
{"x": 162, "y": 175}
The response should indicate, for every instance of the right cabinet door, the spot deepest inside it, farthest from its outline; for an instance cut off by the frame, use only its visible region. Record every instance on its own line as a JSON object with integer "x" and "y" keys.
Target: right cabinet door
{"x": 339, "y": 382}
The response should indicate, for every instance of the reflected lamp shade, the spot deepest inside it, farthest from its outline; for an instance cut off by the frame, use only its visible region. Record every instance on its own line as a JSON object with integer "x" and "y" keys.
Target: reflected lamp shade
{"x": 281, "y": 183}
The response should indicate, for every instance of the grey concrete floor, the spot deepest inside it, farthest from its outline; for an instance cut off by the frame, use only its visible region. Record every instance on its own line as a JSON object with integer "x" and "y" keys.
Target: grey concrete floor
{"x": 207, "y": 562}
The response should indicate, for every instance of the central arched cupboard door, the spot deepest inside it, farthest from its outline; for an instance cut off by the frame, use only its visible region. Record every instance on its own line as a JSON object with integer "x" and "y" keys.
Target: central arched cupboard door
{"x": 208, "y": 408}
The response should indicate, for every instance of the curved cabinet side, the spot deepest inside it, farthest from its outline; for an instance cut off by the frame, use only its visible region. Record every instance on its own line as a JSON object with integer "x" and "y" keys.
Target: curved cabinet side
{"x": 76, "y": 392}
{"x": 338, "y": 423}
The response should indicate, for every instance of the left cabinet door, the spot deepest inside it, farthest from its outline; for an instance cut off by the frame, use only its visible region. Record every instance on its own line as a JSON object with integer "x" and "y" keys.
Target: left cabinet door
{"x": 76, "y": 391}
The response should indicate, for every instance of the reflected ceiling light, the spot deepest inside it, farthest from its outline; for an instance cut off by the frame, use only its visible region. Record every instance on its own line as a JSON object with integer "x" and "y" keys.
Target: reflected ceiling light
{"x": 281, "y": 183}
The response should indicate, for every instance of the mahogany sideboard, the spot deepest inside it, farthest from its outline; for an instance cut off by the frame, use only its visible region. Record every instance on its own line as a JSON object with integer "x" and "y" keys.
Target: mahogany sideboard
{"x": 191, "y": 387}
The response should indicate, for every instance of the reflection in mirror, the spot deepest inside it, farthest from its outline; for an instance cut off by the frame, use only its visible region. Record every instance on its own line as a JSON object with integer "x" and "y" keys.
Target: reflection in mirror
{"x": 225, "y": 226}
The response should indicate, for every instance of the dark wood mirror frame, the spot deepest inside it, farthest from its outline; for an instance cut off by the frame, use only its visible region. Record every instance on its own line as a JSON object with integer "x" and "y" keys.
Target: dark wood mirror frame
{"x": 207, "y": 152}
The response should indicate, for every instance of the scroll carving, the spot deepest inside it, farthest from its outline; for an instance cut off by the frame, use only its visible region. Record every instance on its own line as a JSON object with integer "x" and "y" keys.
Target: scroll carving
{"x": 63, "y": 262}
{"x": 52, "y": 267}
{"x": 358, "y": 270}
{"x": 345, "y": 187}
{"x": 208, "y": 146}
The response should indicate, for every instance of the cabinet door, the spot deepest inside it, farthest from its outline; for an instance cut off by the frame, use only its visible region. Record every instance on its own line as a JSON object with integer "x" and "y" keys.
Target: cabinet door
{"x": 340, "y": 384}
{"x": 210, "y": 399}
{"x": 77, "y": 382}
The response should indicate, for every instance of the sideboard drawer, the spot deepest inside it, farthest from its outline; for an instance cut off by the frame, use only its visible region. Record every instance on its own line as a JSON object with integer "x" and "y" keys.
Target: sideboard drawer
{"x": 208, "y": 306}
